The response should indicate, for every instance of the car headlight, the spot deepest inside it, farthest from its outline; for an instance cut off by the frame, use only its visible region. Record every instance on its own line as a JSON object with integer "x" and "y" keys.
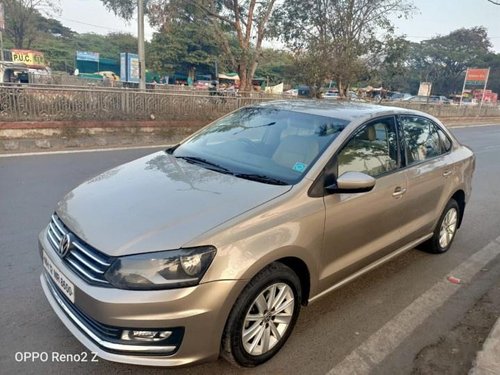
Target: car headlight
{"x": 161, "y": 270}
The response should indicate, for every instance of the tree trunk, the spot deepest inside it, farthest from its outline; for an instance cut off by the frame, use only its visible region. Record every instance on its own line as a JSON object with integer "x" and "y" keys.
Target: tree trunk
{"x": 242, "y": 72}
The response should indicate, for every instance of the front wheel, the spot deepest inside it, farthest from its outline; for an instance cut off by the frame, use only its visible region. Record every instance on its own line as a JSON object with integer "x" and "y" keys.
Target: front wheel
{"x": 263, "y": 316}
{"x": 445, "y": 230}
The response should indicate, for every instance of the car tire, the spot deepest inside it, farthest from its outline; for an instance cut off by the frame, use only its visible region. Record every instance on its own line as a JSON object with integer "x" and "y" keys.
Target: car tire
{"x": 445, "y": 230}
{"x": 256, "y": 328}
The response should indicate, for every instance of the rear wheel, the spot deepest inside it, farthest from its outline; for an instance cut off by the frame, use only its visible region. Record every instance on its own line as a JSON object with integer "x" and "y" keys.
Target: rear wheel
{"x": 263, "y": 316}
{"x": 445, "y": 230}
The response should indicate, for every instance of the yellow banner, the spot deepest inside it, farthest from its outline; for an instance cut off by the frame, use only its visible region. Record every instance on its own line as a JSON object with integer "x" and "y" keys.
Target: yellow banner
{"x": 29, "y": 57}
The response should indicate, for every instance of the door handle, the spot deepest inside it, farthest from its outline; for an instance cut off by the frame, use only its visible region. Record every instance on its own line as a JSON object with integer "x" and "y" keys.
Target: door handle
{"x": 447, "y": 173}
{"x": 398, "y": 192}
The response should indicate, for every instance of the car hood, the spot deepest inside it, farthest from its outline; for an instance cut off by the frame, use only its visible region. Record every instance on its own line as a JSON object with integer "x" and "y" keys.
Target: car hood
{"x": 157, "y": 203}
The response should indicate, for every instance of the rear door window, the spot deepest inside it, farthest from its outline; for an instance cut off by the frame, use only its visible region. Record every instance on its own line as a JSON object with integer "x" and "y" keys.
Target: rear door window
{"x": 422, "y": 140}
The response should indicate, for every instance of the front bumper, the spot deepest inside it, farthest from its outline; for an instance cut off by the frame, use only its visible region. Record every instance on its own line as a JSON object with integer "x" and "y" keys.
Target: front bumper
{"x": 196, "y": 315}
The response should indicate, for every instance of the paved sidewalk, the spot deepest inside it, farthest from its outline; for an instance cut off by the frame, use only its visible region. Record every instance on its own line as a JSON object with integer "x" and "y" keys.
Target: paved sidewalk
{"x": 488, "y": 359}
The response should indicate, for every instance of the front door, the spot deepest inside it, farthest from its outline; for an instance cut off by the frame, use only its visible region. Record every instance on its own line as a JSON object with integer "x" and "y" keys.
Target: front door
{"x": 362, "y": 227}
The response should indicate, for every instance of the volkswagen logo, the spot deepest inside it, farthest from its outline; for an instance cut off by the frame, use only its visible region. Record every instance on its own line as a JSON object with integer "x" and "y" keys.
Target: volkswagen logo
{"x": 64, "y": 245}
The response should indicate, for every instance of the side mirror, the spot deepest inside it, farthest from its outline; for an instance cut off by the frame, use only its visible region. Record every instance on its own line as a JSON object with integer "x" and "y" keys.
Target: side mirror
{"x": 352, "y": 182}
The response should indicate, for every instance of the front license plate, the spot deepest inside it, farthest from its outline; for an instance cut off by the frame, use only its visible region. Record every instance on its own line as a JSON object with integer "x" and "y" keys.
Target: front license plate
{"x": 59, "y": 279}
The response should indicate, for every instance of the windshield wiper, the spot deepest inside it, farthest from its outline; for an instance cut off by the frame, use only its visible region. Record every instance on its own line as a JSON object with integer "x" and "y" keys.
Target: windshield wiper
{"x": 208, "y": 164}
{"x": 261, "y": 178}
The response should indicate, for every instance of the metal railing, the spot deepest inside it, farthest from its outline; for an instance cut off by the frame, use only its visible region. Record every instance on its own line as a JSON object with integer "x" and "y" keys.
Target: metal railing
{"x": 56, "y": 103}
{"x": 450, "y": 110}
{"x": 45, "y": 103}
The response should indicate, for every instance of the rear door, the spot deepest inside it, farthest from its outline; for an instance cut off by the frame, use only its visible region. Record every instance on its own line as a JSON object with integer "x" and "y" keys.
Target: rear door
{"x": 430, "y": 171}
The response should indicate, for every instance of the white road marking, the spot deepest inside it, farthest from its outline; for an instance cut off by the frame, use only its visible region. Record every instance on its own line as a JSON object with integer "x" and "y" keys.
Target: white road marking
{"x": 81, "y": 151}
{"x": 378, "y": 346}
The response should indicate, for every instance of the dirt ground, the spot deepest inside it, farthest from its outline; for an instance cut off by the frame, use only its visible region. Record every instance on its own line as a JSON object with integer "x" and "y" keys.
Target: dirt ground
{"x": 455, "y": 352}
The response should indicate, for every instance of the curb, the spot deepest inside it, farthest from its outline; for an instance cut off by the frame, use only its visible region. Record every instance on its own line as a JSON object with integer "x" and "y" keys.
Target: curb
{"x": 487, "y": 361}
{"x": 459, "y": 126}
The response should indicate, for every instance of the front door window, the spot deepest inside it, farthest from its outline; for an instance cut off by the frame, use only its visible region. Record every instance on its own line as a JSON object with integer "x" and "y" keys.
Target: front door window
{"x": 373, "y": 150}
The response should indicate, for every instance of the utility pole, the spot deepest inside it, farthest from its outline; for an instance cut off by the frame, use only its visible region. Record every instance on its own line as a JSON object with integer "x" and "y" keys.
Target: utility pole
{"x": 2, "y": 28}
{"x": 140, "y": 47}
{"x": 2, "y": 57}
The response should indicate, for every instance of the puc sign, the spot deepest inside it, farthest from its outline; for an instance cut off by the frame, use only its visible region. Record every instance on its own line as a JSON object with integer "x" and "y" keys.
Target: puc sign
{"x": 32, "y": 59}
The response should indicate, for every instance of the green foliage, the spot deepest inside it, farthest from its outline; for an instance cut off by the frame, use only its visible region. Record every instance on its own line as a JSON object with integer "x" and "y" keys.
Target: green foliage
{"x": 245, "y": 21}
{"x": 346, "y": 33}
{"x": 443, "y": 60}
{"x": 24, "y": 20}
{"x": 109, "y": 46}
{"x": 122, "y": 8}
{"x": 394, "y": 72}
{"x": 57, "y": 52}
{"x": 333, "y": 40}
{"x": 277, "y": 66}
{"x": 184, "y": 47}
{"x": 492, "y": 61}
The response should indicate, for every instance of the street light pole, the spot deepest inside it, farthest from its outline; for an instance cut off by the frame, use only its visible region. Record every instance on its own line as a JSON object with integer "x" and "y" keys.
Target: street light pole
{"x": 2, "y": 57}
{"x": 140, "y": 47}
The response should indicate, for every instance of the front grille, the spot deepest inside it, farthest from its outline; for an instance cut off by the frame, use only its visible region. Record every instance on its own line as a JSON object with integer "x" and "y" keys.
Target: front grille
{"x": 84, "y": 260}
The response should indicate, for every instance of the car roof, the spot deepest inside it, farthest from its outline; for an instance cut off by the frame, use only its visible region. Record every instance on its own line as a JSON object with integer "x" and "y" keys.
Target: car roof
{"x": 343, "y": 110}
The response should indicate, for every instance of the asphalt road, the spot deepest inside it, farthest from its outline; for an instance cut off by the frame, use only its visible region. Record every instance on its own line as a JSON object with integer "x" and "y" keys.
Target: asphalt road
{"x": 327, "y": 331}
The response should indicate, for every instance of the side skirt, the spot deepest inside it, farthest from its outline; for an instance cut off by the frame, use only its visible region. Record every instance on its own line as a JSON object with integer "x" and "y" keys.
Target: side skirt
{"x": 371, "y": 266}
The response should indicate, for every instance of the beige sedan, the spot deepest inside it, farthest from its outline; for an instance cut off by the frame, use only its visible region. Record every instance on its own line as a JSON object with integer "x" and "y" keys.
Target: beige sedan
{"x": 211, "y": 247}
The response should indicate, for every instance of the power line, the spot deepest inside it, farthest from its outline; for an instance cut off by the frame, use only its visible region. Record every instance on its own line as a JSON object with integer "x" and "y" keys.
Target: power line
{"x": 90, "y": 24}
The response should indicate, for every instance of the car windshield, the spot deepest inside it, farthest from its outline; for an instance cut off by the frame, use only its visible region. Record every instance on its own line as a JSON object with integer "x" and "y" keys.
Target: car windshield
{"x": 264, "y": 144}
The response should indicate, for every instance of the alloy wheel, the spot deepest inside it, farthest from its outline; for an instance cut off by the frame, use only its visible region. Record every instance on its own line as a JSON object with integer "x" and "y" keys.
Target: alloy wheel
{"x": 268, "y": 318}
{"x": 448, "y": 228}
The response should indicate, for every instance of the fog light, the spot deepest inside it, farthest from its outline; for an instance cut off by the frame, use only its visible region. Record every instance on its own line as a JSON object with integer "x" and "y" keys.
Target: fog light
{"x": 145, "y": 336}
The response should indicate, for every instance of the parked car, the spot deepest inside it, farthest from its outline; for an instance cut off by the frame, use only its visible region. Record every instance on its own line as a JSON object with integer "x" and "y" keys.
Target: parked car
{"x": 202, "y": 84}
{"x": 291, "y": 92}
{"x": 304, "y": 91}
{"x": 433, "y": 99}
{"x": 351, "y": 95}
{"x": 440, "y": 99}
{"x": 212, "y": 246}
{"x": 109, "y": 75}
{"x": 398, "y": 96}
{"x": 331, "y": 95}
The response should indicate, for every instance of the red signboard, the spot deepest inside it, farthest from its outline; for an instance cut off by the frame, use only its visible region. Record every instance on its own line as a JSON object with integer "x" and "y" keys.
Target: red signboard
{"x": 477, "y": 75}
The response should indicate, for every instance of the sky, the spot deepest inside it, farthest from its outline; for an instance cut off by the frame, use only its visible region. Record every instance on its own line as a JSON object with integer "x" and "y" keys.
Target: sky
{"x": 433, "y": 17}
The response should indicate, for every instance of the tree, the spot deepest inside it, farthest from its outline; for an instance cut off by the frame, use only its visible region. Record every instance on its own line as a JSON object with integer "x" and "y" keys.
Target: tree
{"x": 443, "y": 60}
{"x": 276, "y": 66}
{"x": 346, "y": 31}
{"x": 22, "y": 17}
{"x": 184, "y": 47}
{"x": 311, "y": 67}
{"x": 244, "y": 20}
{"x": 492, "y": 61}
{"x": 393, "y": 70}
